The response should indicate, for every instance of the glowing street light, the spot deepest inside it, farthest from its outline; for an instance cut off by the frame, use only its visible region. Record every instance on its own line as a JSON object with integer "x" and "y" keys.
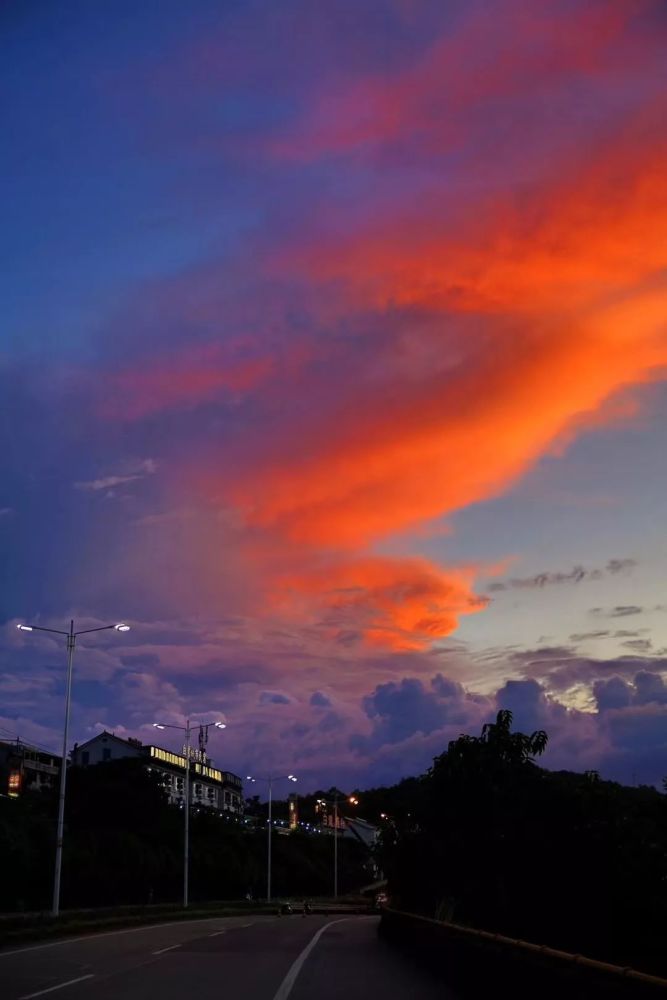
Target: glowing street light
{"x": 71, "y": 637}
{"x": 326, "y": 802}
{"x": 187, "y": 729}
{"x": 270, "y": 779}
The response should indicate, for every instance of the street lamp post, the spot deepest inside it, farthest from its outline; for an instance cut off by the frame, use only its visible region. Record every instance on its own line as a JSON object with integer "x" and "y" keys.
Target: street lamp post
{"x": 187, "y": 729}
{"x": 270, "y": 780}
{"x": 71, "y": 637}
{"x": 327, "y": 802}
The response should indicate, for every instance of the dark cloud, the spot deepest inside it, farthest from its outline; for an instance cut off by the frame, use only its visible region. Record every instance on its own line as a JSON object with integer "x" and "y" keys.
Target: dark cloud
{"x": 576, "y": 575}
{"x": 640, "y": 728}
{"x": 530, "y": 706}
{"x": 320, "y": 700}
{"x": 612, "y": 693}
{"x": 401, "y": 709}
{"x": 624, "y": 735}
{"x": 274, "y": 698}
{"x": 646, "y": 687}
{"x": 446, "y": 688}
{"x": 297, "y": 731}
{"x": 620, "y": 611}
{"x": 650, "y": 687}
{"x": 330, "y": 722}
{"x": 639, "y": 645}
{"x": 560, "y": 668}
{"x": 586, "y": 636}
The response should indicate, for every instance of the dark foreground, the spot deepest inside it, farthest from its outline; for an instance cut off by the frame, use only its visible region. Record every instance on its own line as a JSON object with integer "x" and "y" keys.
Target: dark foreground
{"x": 256, "y": 958}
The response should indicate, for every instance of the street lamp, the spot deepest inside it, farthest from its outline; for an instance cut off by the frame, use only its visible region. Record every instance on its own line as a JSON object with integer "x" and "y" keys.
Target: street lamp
{"x": 187, "y": 729}
{"x": 71, "y": 637}
{"x": 270, "y": 779}
{"x": 328, "y": 802}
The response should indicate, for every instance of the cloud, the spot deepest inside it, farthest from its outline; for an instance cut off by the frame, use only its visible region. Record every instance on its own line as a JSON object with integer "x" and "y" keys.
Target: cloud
{"x": 454, "y": 266}
{"x": 393, "y": 603}
{"x": 623, "y": 735}
{"x": 6, "y": 511}
{"x": 144, "y": 468}
{"x": 575, "y": 575}
{"x": 587, "y": 636}
{"x": 620, "y": 611}
{"x": 376, "y": 360}
{"x": 638, "y": 645}
{"x": 399, "y": 710}
{"x": 650, "y": 688}
{"x": 274, "y": 698}
{"x": 194, "y": 376}
{"x": 320, "y": 700}
{"x": 612, "y": 693}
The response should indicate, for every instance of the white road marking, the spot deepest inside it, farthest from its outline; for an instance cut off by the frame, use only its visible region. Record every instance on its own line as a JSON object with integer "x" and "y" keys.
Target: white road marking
{"x": 161, "y": 951}
{"x": 217, "y": 933}
{"x": 60, "y": 986}
{"x": 95, "y": 937}
{"x": 288, "y": 982}
{"x": 243, "y": 926}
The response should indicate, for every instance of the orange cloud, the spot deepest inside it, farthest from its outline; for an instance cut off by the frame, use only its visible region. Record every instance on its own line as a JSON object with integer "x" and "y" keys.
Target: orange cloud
{"x": 539, "y": 312}
{"x": 400, "y": 604}
{"x": 460, "y": 338}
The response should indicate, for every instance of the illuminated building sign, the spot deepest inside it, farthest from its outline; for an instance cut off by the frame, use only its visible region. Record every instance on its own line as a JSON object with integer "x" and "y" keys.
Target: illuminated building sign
{"x": 14, "y": 784}
{"x": 167, "y": 757}
{"x": 177, "y": 761}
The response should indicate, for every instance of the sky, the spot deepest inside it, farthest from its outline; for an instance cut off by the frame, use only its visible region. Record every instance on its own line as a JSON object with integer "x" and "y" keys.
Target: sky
{"x": 333, "y": 351}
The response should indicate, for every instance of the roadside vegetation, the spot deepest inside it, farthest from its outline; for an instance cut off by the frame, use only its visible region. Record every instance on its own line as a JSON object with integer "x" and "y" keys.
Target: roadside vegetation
{"x": 124, "y": 845}
{"x": 490, "y": 840}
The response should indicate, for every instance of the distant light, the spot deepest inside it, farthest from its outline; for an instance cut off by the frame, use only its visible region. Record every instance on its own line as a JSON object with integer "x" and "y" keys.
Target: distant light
{"x": 158, "y": 725}
{"x": 291, "y": 777}
{"x": 122, "y": 627}
{"x": 25, "y": 628}
{"x": 220, "y": 725}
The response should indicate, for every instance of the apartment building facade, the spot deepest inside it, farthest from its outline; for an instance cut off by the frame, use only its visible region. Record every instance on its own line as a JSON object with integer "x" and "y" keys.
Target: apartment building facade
{"x": 210, "y": 787}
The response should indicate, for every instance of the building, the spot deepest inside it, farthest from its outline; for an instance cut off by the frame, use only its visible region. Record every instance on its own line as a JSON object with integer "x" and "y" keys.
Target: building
{"x": 26, "y": 768}
{"x": 220, "y": 790}
{"x": 293, "y": 806}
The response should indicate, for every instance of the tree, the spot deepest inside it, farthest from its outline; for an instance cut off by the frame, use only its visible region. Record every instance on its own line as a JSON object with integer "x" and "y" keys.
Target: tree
{"x": 556, "y": 858}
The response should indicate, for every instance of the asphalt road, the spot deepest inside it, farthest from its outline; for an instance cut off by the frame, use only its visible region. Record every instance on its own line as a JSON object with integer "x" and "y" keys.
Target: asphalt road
{"x": 253, "y": 958}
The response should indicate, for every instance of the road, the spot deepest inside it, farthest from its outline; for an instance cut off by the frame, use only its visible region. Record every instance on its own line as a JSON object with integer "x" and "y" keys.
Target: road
{"x": 253, "y": 958}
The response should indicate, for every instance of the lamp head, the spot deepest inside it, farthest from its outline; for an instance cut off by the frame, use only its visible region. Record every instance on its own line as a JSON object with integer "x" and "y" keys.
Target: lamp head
{"x": 25, "y": 628}
{"x": 220, "y": 725}
{"x": 291, "y": 777}
{"x": 122, "y": 627}
{"x": 158, "y": 725}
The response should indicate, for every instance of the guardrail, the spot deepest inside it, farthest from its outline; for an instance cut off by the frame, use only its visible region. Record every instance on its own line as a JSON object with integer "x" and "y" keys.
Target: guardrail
{"x": 474, "y": 961}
